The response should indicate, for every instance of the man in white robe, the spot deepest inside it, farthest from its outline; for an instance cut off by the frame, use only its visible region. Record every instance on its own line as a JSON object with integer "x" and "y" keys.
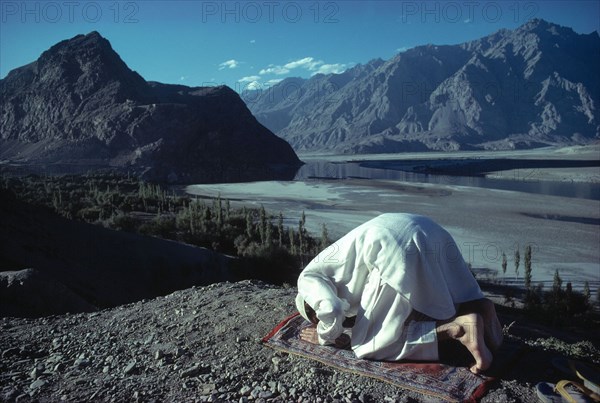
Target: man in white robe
{"x": 404, "y": 280}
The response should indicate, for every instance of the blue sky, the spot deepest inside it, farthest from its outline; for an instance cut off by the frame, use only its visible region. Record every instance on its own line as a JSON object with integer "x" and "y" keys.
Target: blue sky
{"x": 253, "y": 44}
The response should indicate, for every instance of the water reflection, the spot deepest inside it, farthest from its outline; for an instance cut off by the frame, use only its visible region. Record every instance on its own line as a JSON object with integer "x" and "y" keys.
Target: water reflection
{"x": 323, "y": 169}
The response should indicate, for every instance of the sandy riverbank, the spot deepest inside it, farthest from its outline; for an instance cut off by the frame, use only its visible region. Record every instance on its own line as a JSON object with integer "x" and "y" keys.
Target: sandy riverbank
{"x": 485, "y": 222}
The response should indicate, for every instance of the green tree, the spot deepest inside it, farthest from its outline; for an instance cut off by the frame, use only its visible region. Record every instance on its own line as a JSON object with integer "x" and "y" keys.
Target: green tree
{"x": 292, "y": 242}
{"x": 268, "y": 235}
{"x": 517, "y": 261}
{"x": 280, "y": 228}
{"x": 301, "y": 231}
{"x": 528, "y": 266}
{"x": 227, "y": 209}
{"x": 262, "y": 225}
{"x": 586, "y": 292}
{"x": 206, "y": 216}
{"x": 557, "y": 283}
{"x": 249, "y": 225}
{"x": 219, "y": 208}
{"x": 324, "y": 237}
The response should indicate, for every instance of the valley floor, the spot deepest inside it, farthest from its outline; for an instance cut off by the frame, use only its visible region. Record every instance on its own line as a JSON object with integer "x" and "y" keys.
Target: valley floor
{"x": 564, "y": 232}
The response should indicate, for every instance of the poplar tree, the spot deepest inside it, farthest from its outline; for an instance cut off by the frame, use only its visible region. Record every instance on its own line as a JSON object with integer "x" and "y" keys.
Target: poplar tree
{"x": 262, "y": 225}
{"x": 227, "y": 209}
{"x": 586, "y": 292}
{"x": 324, "y": 237}
{"x": 219, "y": 208}
{"x": 249, "y": 225}
{"x": 528, "y": 266}
{"x": 556, "y": 283}
{"x": 268, "y": 235}
{"x": 517, "y": 261}
{"x": 292, "y": 242}
{"x": 280, "y": 228}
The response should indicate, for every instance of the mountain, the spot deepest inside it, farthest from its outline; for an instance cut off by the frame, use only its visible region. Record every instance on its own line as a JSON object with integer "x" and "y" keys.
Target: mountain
{"x": 533, "y": 86}
{"x": 80, "y": 106}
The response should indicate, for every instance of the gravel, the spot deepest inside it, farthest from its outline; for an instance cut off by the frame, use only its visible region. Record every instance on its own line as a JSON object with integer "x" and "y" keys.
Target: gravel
{"x": 198, "y": 345}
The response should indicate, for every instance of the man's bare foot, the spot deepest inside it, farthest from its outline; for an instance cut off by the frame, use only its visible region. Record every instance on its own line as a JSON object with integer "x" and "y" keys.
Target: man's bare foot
{"x": 471, "y": 335}
{"x": 492, "y": 327}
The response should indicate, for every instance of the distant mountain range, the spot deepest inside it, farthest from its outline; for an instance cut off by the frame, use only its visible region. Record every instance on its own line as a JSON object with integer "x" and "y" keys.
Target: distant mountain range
{"x": 80, "y": 107}
{"x": 533, "y": 86}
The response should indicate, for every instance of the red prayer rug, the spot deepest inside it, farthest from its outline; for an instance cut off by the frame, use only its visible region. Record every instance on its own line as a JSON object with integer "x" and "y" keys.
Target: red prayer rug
{"x": 436, "y": 380}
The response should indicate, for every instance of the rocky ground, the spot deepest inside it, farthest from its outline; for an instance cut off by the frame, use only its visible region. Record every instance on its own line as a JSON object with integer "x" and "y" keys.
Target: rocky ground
{"x": 203, "y": 344}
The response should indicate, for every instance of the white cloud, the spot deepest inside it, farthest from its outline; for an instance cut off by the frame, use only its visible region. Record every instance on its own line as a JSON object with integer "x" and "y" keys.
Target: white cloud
{"x": 272, "y": 69}
{"x": 468, "y": 20}
{"x": 248, "y": 79}
{"x": 402, "y": 49}
{"x": 330, "y": 68}
{"x": 182, "y": 78}
{"x": 231, "y": 64}
{"x": 253, "y": 85}
{"x": 308, "y": 63}
{"x": 252, "y": 40}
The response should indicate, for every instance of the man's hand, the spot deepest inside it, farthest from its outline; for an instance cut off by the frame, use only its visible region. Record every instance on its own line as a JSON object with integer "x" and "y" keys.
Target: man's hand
{"x": 310, "y": 335}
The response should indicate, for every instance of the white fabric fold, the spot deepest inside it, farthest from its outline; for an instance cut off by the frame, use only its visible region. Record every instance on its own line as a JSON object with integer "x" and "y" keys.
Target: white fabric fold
{"x": 300, "y": 307}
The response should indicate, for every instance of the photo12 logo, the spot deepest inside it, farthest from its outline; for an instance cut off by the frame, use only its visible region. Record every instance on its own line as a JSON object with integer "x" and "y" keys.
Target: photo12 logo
{"x": 69, "y": 11}
{"x": 467, "y": 11}
{"x": 270, "y": 12}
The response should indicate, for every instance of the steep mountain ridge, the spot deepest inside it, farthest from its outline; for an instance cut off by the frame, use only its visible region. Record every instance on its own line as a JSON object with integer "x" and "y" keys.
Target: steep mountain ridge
{"x": 532, "y": 86}
{"x": 80, "y": 105}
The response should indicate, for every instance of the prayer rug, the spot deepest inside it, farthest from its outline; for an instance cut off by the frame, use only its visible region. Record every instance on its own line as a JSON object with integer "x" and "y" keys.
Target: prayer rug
{"x": 435, "y": 380}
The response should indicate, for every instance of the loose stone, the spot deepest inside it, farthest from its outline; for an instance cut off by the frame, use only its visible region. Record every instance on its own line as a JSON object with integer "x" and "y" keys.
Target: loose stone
{"x": 130, "y": 367}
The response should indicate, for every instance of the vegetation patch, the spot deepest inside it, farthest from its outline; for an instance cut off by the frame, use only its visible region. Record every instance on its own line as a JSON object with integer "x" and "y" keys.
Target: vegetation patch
{"x": 267, "y": 249}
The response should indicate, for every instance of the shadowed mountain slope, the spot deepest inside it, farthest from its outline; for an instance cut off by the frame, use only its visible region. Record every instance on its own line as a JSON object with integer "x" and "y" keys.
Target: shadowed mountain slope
{"x": 79, "y": 107}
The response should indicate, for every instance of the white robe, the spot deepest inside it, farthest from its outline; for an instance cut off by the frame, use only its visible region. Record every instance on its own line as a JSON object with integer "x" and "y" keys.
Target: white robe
{"x": 382, "y": 272}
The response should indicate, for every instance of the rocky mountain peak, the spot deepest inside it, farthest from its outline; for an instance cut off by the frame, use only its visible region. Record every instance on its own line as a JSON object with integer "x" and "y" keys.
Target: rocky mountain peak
{"x": 89, "y": 63}
{"x": 79, "y": 103}
{"x": 541, "y": 26}
{"x": 82, "y": 46}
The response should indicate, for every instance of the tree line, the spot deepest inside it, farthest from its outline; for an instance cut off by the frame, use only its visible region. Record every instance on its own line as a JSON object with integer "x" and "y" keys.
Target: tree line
{"x": 268, "y": 248}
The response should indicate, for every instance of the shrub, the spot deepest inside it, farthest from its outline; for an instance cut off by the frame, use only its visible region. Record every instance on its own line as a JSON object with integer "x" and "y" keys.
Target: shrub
{"x": 163, "y": 226}
{"x": 558, "y": 305}
{"x": 124, "y": 222}
{"x": 89, "y": 214}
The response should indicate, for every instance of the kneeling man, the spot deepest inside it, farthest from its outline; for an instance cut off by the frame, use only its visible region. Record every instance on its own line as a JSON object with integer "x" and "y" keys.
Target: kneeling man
{"x": 402, "y": 284}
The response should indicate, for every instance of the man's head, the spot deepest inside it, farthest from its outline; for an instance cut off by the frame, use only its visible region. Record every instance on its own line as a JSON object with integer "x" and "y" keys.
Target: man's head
{"x": 306, "y": 310}
{"x": 312, "y": 315}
